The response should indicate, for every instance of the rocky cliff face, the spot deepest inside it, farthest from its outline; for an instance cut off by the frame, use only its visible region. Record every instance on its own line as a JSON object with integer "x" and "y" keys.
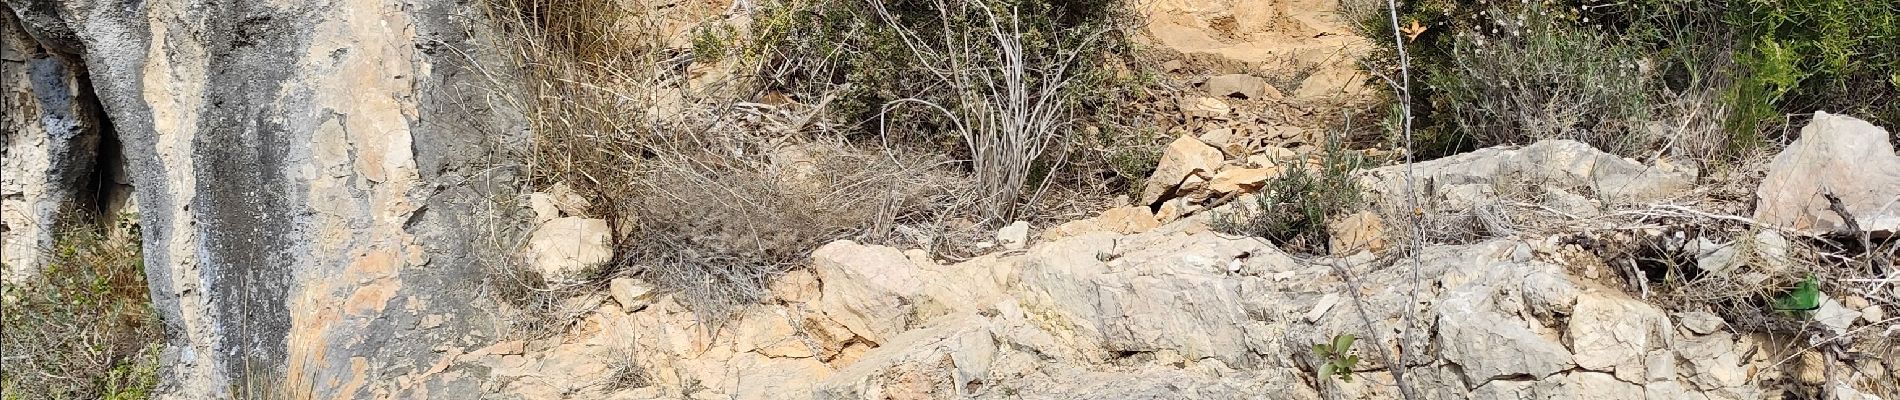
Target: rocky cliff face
{"x": 49, "y": 134}
{"x": 306, "y": 173}
{"x": 315, "y": 183}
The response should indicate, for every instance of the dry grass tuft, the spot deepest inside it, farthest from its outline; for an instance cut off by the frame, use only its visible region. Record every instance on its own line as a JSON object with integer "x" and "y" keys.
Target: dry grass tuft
{"x": 84, "y": 327}
{"x": 710, "y": 194}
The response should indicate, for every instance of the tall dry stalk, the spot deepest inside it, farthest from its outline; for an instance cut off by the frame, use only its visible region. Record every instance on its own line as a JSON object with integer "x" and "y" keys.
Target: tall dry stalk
{"x": 1009, "y": 107}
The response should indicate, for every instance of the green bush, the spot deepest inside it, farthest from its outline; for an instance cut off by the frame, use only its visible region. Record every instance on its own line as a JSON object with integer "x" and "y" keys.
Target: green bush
{"x": 1807, "y": 55}
{"x": 1627, "y": 76}
{"x": 1292, "y": 210}
{"x": 83, "y": 328}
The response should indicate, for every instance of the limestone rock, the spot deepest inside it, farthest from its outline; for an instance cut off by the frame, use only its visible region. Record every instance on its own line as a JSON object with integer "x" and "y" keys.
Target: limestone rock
{"x": 1700, "y": 323}
{"x": 1489, "y": 344}
{"x": 1242, "y": 86}
{"x": 1231, "y": 180}
{"x": 632, "y": 294}
{"x": 1361, "y": 231}
{"x": 1206, "y": 107}
{"x": 1121, "y": 220}
{"x": 1835, "y": 154}
{"x": 1014, "y": 236}
{"x": 564, "y": 248}
{"x": 1558, "y": 163}
{"x": 868, "y": 289}
{"x": 1184, "y": 157}
{"x": 49, "y": 135}
{"x": 1612, "y": 333}
{"x": 310, "y": 189}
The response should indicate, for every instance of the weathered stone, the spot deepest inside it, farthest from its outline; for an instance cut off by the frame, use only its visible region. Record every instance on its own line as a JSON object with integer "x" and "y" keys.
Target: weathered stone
{"x": 951, "y": 359}
{"x": 1361, "y": 231}
{"x": 567, "y": 247}
{"x": 1231, "y": 180}
{"x": 1242, "y": 86}
{"x": 868, "y": 289}
{"x": 1612, "y": 333}
{"x": 632, "y": 294}
{"x": 1700, "y": 323}
{"x": 49, "y": 133}
{"x": 1014, "y": 236}
{"x": 1488, "y": 344}
{"x": 1836, "y": 154}
{"x": 1835, "y": 316}
{"x": 1559, "y": 163}
{"x": 1205, "y": 107}
{"x": 1184, "y": 157}
{"x": 1121, "y": 220}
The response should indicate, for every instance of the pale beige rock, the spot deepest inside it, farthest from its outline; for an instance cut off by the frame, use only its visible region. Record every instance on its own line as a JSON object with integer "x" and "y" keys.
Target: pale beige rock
{"x": 543, "y": 207}
{"x": 1242, "y": 86}
{"x": 770, "y": 332}
{"x": 1014, "y": 236}
{"x": 632, "y": 294}
{"x": 946, "y": 360}
{"x": 1206, "y": 107}
{"x": 1610, "y": 332}
{"x": 1835, "y": 316}
{"x": 565, "y": 247}
{"x": 1839, "y": 154}
{"x": 567, "y": 200}
{"x": 1560, "y": 163}
{"x": 867, "y": 289}
{"x": 1121, "y": 220}
{"x": 796, "y": 286}
{"x": 1488, "y": 344}
{"x": 1218, "y": 137}
{"x": 1361, "y": 231}
{"x": 1700, "y": 323}
{"x": 1184, "y": 157}
{"x": 1231, "y": 180}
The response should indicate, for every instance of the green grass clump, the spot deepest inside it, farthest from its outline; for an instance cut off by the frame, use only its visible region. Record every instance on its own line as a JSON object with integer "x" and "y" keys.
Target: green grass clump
{"x": 83, "y": 328}
{"x": 1292, "y": 210}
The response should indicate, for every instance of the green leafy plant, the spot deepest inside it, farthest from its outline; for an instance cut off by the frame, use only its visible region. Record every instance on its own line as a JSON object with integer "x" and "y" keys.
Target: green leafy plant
{"x": 1337, "y": 358}
{"x": 1293, "y": 209}
{"x": 1806, "y": 296}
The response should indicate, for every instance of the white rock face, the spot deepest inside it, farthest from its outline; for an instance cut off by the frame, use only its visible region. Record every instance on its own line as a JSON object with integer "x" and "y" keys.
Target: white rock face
{"x": 1837, "y": 154}
{"x": 564, "y": 248}
{"x": 1467, "y": 179}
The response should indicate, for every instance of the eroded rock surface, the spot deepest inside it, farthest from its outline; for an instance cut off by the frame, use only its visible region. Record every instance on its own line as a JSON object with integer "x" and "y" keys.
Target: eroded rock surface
{"x": 309, "y": 210}
{"x": 1836, "y": 155}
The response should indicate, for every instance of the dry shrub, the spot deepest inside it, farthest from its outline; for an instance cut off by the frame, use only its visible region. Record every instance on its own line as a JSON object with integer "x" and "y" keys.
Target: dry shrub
{"x": 710, "y": 194}
{"x": 717, "y": 229}
{"x": 84, "y": 327}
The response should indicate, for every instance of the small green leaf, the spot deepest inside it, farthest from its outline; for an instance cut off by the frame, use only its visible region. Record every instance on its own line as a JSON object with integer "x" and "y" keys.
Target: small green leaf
{"x": 1350, "y": 361}
{"x": 1805, "y": 296}
{"x": 1322, "y": 351}
{"x": 1325, "y": 370}
{"x": 1343, "y": 343}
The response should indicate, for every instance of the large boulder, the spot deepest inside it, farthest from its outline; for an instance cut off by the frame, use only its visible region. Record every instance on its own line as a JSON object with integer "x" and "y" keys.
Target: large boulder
{"x": 1839, "y": 155}
{"x": 311, "y": 178}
